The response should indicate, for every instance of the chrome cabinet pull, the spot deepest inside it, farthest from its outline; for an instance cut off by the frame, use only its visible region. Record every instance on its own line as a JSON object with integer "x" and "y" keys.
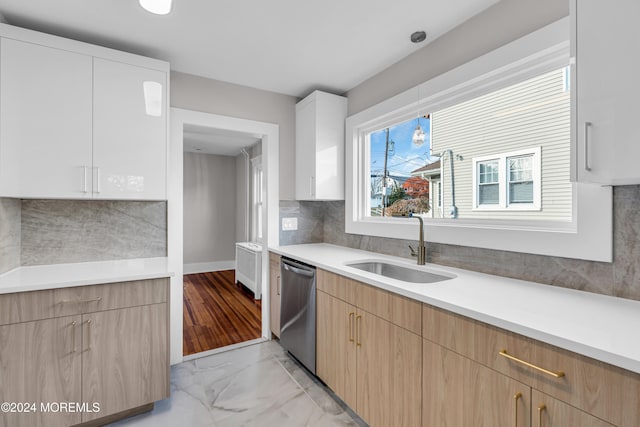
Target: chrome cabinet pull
{"x": 98, "y": 179}
{"x": 541, "y": 408}
{"x": 358, "y": 331}
{"x": 81, "y": 301}
{"x": 89, "y": 334}
{"x": 557, "y": 374}
{"x": 516, "y": 397}
{"x": 278, "y": 286}
{"x": 310, "y": 186}
{"x": 351, "y": 316}
{"x": 85, "y": 190}
{"x": 73, "y": 336}
{"x": 587, "y": 158}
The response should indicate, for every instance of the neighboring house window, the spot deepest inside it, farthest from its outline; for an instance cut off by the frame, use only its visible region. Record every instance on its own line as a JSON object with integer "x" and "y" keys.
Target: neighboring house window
{"x": 488, "y": 185}
{"x": 439, "y": 194}
{"x": 256, "y": 199}
{"x": 508, "y": 181}
{"x": 520, "y": 179}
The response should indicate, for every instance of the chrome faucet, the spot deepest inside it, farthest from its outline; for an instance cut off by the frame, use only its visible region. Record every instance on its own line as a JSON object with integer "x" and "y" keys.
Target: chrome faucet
{"x": 421, "y": 252}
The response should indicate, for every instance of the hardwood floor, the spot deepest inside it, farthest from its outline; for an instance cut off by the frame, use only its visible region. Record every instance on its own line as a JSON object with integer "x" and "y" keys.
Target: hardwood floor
{"x": 217, "y": 312}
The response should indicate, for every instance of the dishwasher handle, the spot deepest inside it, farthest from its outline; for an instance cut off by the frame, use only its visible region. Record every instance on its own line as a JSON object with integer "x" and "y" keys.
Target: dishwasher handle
{"x": 296, "y": 268}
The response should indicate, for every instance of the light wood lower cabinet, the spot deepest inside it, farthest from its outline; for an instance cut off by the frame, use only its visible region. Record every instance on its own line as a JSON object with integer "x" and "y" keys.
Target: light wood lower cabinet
{"x": 388, "y": 364}
{"x": 124, "y": 358}
{"x": 336, "y": 348}
{"x": 113, "y": 351}
{"x": 274, "y": 293}
{"x": 550, "y": 412}
{"x": 573, "y": 390}
{"x": 40, "y": 362}
{"x": 460, "y": 392}
{"x": 371, "y": 363}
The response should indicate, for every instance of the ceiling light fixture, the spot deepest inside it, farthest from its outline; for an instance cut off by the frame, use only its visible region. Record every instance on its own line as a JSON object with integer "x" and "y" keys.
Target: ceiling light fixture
{"x": 159, "y": 7}
{"x": 418, "y": 37}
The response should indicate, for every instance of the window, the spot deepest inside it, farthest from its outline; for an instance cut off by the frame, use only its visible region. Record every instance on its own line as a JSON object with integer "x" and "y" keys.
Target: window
{"x": 256, "y": 199}
{"x": 399, "y": 178}
{"x": 480, "y": 149}
{"x": 490, "y": 122}
{"x": 509, "y": 181}
{"x": 488, "y": 184}
{"x": 520, "y": 179}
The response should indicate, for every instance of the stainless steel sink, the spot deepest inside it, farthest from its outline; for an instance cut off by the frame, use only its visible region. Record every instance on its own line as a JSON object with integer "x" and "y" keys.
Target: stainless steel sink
{"x": 399, "y": 272}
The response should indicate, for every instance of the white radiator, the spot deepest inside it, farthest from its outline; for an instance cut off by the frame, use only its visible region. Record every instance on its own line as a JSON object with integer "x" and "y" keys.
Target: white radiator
{"x": 249, "y": 266}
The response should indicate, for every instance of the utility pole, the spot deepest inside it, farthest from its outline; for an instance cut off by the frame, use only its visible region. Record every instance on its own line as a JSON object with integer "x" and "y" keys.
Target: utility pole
{"x": 384, "y": 174}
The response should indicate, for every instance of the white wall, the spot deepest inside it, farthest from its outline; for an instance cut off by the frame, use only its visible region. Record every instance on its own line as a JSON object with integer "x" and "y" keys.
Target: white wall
{"x": 242, "y": 211}
{"x": 209, "y": 208}
{"x": 502, "y": 23}
{"x": 212, "y": 96}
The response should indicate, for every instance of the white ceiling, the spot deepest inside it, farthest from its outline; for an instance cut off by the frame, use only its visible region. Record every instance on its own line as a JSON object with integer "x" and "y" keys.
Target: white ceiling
{"x": 285, "y": 46}
{"x": 200, "y": 139}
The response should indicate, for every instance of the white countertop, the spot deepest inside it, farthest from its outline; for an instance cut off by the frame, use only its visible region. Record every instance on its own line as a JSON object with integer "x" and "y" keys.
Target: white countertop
{"x": 593, "y": 325}
{"x": 39, "y": 277}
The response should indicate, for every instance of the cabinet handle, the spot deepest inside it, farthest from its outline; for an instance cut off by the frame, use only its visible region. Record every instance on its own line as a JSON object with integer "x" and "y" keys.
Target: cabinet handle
{"x": 311, "y": 186}
{"x": 541, "y": 408}
{"x": 81, "y": 301}
{"x": 98, "y": 179}
{"x": 358, "y": 331}
{"x": 558, "y": 374}
{"x": 73, "y": 336}
{"x": 351, "y": 316}
{"x": 516, "y": 397}
{"x": 278, "y": 286}
{"x": 89, "y": 334}
{"x": 85, "y": 190}
{"x": 587, "y": 162}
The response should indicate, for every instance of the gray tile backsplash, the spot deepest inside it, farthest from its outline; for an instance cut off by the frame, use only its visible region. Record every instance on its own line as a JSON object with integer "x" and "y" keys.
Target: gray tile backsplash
{"x": 9, "y": 234}
{"x": 310, "y": 222}
{"x": 62, "y": 231}
{"x": 620, "y": 278}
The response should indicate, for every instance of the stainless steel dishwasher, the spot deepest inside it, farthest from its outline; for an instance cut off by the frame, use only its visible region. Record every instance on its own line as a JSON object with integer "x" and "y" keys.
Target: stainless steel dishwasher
{"x": 298, "y": 311}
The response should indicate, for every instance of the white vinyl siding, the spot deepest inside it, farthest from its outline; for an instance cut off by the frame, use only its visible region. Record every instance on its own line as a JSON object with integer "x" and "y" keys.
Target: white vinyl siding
{"x": 534, "y": 113}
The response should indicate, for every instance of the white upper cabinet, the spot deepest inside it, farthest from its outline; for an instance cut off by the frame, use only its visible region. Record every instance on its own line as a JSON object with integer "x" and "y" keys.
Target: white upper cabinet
{"x": 45, "y": 121}
{"x": 80, "y": 121}
{"x": 320, "y": 121}
{"x": 605, "y": 39}
{"x": 129, "y": 131}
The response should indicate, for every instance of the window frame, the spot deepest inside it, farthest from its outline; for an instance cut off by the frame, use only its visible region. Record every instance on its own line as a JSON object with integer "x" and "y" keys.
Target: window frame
{"x": 257, "y": 199}
{"x": 503, "y": 204}
{"x": 589, "y": 233}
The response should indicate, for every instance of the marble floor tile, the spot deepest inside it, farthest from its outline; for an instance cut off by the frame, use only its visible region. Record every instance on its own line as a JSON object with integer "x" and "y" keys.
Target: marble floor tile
{"x": 258, "y": 385}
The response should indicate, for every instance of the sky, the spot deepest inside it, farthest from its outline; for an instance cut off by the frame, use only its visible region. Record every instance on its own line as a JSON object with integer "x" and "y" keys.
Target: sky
{"x": 405, "y": 156}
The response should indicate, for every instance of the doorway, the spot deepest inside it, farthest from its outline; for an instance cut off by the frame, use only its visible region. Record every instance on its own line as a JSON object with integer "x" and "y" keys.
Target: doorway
{"x": 222, "y": 238}
{"x": 189, "y": 129}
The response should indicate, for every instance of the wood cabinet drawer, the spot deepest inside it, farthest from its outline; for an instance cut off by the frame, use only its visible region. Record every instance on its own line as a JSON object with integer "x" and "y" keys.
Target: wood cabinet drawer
{"x": 27, "y": 306}
{"x": 608, "y": 392}
{"x": 338, "y": 286}
{"x": 124, "y": 294}
{"x": 47, "y": 304}
{"x": 400, "y": 311}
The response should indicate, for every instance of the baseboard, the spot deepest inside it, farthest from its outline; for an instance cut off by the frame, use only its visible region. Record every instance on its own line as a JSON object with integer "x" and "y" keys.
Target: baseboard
{"x": 205, "y": 267}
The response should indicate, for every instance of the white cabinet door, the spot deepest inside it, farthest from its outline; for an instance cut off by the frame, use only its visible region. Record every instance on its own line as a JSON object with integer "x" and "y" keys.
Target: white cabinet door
{"x": 45, "y": 121}
{"x": 129, "y": 131}
{"x": 305, "y": 149}
{"x": 320, "y": 147}
{"x": 606, "y": 40}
